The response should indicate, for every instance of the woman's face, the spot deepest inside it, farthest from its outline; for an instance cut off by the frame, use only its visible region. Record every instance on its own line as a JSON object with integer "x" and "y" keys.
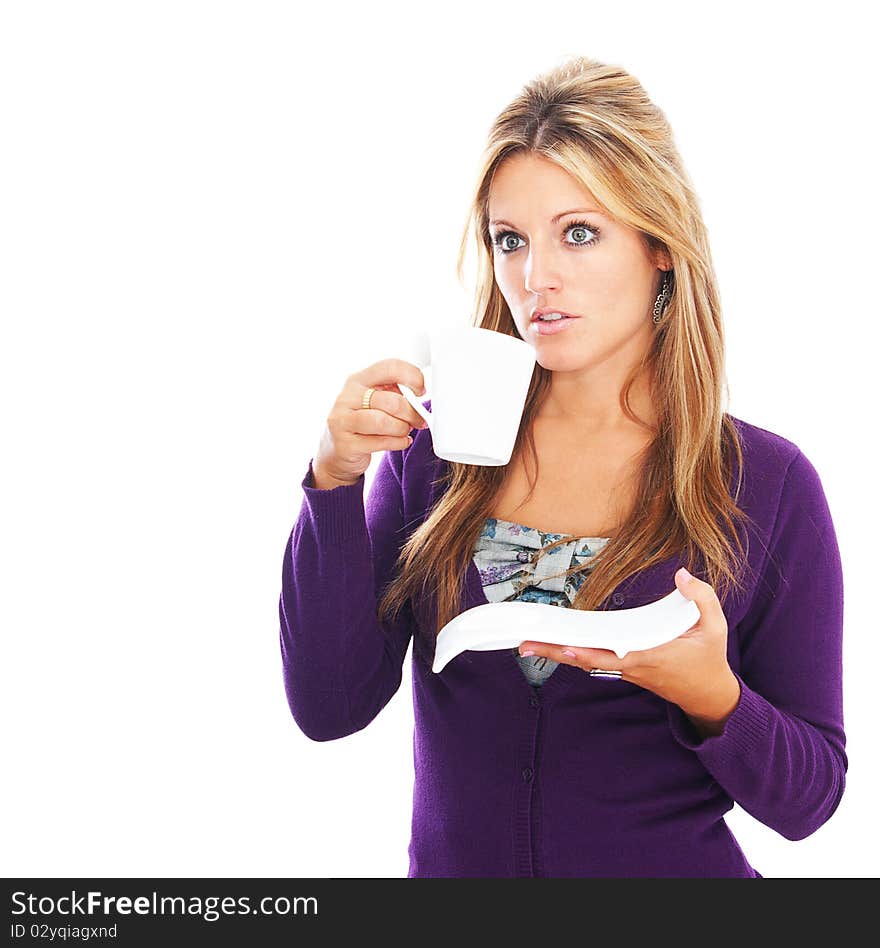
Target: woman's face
{"x": 584, "y": 263}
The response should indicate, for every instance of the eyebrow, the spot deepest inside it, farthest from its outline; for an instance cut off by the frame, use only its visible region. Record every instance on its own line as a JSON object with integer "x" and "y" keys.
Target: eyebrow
{"x": 561, "y": 214}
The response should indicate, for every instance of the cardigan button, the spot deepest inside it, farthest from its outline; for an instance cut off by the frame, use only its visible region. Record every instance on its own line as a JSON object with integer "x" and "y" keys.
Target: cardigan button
{"x": 618, "y": 599}
{"x": 527, "y": 774}
{"x": 533, "y": 701}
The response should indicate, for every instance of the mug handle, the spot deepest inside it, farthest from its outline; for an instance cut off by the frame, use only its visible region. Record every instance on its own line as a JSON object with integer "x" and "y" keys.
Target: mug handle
{"x": 413, "y": 399}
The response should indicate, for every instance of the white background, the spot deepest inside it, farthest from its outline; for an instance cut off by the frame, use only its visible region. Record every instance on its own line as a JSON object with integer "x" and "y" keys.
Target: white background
{"x": 212, "y": 213}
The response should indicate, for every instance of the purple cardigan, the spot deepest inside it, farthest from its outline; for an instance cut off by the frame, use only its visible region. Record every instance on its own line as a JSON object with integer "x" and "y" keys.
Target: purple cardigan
{"x": 590, "y": 777}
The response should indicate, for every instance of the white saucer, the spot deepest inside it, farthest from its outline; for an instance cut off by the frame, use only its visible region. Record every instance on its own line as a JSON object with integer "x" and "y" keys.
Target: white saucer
{"x": 498, "y": 625}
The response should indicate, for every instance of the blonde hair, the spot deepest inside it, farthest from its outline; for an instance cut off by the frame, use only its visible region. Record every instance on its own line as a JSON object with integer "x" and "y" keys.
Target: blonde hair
{"x": 597, "y": 123}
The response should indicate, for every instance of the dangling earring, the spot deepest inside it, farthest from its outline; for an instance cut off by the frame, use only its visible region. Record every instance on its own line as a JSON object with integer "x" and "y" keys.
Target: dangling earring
{"x": 663, "y": 296}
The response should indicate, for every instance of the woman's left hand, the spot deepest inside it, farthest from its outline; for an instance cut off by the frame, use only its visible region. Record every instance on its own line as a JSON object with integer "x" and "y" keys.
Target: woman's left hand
{"x": 691, "y": 670}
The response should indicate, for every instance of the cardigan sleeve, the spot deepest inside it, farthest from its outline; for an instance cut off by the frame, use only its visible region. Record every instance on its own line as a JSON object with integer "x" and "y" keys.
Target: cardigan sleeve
{"x": 781, "y": 754}
{"x": 341, "y": 666}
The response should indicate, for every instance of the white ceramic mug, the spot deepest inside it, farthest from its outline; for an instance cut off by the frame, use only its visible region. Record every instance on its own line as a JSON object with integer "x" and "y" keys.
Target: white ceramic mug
{"x": 479, "y": 383}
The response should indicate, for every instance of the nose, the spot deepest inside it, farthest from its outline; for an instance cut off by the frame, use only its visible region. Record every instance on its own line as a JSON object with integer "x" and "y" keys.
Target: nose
{"x": 541, "y": 273}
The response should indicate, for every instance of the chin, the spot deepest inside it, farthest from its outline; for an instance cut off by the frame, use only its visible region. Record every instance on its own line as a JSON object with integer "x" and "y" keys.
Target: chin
{"x": 562, "y": 361}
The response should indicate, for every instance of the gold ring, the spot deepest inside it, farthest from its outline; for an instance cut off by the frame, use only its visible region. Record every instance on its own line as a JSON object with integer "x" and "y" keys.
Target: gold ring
{"x": 368, "y": 394}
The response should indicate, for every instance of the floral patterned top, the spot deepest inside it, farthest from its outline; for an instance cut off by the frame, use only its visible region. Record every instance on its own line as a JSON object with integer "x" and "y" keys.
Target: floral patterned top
{"x": 505, "y": 556}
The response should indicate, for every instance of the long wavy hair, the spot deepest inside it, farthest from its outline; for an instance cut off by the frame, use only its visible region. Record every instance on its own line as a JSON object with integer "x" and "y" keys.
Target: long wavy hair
{"x": 598, "y": 124}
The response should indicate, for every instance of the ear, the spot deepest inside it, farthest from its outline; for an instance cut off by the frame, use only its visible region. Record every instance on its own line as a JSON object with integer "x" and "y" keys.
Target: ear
{"x": 663, "y": 260}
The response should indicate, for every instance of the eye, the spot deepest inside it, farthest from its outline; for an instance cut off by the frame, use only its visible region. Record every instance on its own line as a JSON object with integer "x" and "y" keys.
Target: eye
{"x": 577, "y": 226}
{"x": 583, "y": 226}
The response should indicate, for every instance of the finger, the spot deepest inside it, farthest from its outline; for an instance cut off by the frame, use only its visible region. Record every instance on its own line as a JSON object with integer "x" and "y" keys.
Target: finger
{"x": 393, "y": 404}
{"x": 374, "y": 421}
{"x": 702, "y": 594}
{"x": 574, "y": 655}
{"x": 390, "y": 372}
{"x": 588, "y": 658}
{"x": 402, "y": 409}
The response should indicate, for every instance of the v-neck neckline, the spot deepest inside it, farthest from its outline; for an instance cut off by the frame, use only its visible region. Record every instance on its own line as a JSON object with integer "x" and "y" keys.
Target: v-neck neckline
{"x": 552, "y": 687}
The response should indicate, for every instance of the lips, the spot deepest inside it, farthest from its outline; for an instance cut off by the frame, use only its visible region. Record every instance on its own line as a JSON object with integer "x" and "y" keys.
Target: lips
{"x": 552, "y": 327}
{"x": 543, "y": 311}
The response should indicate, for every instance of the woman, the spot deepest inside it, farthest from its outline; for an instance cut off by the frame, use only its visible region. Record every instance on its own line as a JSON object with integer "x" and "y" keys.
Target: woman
{"x": 569, "y": 762}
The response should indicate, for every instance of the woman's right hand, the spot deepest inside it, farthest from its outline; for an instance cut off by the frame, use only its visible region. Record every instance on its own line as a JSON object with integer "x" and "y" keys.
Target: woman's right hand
{"x": 352, "y": 434}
